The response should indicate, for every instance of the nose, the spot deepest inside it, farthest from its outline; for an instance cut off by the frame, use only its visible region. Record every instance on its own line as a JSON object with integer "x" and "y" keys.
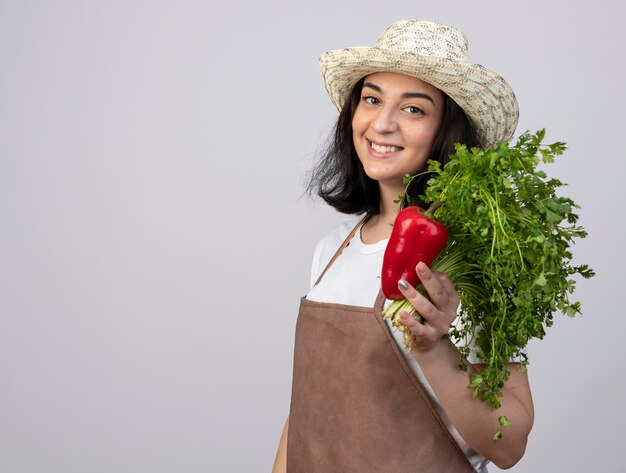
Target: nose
{"x": 385, "y": 120}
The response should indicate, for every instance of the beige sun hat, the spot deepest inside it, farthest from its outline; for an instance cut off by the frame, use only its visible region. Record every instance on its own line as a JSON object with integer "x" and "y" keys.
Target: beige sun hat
{"x": 436, "y": 54}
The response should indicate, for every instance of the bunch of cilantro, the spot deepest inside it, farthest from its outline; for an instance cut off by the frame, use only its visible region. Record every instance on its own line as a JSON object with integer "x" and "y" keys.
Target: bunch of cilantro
{"x": 508, "y": 253}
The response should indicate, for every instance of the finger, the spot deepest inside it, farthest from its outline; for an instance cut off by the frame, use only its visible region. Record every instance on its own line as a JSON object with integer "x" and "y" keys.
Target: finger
{"x": 445, "y": 281}
{"x": 447, "y": 285}
{"x": 423, "y": 306}
{"x": 420, "y": 329}
{"x": 436, "y": 291}
{"x": 411, "y": 320}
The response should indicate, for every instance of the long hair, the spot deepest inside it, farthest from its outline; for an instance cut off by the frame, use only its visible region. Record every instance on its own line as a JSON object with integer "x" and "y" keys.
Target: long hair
{"x": 339, "y": 178}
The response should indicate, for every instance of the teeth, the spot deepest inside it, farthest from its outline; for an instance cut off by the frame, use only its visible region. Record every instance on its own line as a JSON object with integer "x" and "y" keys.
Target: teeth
{"x": 384, "y": 149}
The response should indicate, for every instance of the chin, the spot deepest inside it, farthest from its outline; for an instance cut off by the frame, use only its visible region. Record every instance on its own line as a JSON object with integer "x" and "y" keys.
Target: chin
{"x": 391, "y": 181}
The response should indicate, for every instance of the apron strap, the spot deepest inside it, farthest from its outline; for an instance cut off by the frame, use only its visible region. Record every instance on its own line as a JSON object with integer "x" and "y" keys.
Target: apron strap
{"x": 380, "y": 300}
{"x": 345, "y": 243}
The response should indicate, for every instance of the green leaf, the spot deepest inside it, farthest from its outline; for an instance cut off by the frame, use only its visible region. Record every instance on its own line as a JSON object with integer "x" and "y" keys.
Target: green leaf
{"x": 541, "y": 280}
{"x": 476, "y": 380}
{"x": 504, "y": 422}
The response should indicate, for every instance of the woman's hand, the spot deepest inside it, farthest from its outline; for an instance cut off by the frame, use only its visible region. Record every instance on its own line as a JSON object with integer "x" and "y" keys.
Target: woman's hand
{"x": 436, "y": 314}
{"x": 439, "y": 360}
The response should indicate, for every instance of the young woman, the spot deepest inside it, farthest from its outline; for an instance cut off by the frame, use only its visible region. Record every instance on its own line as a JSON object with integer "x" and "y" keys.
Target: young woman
{"x": 360, "y": 402}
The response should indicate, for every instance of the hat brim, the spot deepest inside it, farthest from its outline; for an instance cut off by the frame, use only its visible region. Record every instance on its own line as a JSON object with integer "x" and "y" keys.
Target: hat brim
{"x": 488, "y": 101}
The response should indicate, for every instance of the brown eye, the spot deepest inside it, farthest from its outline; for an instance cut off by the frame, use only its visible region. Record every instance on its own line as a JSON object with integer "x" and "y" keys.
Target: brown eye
{"x": 413, "y": 110}
{"x": 368, "y": 99}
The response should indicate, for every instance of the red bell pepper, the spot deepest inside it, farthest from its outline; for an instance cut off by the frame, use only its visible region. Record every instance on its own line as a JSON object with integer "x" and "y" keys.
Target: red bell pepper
{"x": 415, "y": 237}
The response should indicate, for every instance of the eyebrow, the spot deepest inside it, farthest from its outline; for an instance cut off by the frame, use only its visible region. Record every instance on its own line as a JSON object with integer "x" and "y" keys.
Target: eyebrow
{"x": 406, "y": 95}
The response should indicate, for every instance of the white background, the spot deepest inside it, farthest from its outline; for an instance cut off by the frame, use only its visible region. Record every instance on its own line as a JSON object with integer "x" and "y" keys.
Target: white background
{"x": 154, "y": 240}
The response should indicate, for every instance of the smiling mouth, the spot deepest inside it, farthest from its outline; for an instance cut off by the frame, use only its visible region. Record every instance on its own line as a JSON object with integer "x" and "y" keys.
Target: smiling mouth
{"x": 384, "y": 149}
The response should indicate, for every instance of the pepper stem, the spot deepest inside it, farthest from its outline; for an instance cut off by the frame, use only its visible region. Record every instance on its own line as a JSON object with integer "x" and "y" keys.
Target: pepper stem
{"x": 431, "y": 210}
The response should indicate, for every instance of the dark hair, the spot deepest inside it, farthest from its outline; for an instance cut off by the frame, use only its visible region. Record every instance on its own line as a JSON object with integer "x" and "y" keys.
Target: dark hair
{"x": 339, "y": 178}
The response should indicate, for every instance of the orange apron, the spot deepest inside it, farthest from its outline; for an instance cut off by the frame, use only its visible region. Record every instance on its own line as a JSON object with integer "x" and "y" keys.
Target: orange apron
{"x": 356, "y": 406}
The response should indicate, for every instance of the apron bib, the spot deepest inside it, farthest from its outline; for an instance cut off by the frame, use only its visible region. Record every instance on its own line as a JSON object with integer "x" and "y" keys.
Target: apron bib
{"x": 356, "y": 406}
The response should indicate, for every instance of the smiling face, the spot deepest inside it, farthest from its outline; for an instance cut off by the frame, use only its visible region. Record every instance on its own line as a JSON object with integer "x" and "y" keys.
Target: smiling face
{"x": 394, "y": 126}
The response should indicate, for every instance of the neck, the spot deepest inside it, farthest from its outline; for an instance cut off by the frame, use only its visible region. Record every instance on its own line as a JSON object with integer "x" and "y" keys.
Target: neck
{"x": 379, "y": 226}
{"x": 389, "y": 208}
